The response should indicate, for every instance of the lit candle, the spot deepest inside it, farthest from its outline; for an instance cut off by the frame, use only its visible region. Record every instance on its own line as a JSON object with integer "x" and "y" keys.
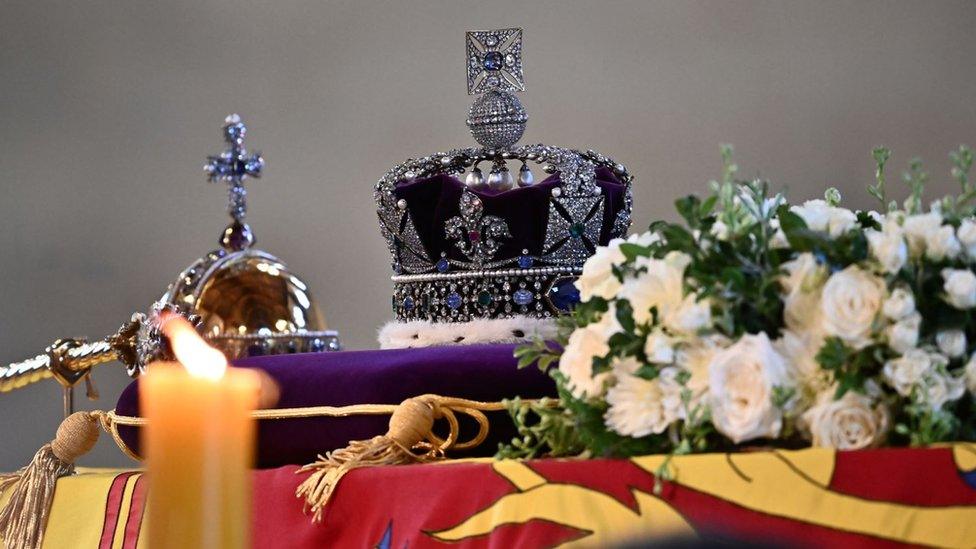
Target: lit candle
{"x": 199, "y": 445}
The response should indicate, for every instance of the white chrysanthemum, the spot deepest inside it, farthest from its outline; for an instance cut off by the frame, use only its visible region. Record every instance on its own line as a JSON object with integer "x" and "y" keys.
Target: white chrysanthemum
{"x": 742, "y": 380}
{"x": 660, "y": 286}
{"x": 940, "y": 388}
{"x": 640, "y": 407}
{"x": 960, "y": 288}
{"x": 850, "y": 303}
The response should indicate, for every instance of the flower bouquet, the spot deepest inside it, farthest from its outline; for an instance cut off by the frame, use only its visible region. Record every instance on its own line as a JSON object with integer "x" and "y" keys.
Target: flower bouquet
{"x": 759, "y": 323}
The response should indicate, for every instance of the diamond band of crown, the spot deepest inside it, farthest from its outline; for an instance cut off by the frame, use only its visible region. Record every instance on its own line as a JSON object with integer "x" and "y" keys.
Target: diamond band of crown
{"x": 467, "y": 246}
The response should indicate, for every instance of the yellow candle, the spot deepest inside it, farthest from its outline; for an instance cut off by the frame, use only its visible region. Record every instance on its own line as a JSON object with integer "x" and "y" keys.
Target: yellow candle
{"x": 199, "y": 446}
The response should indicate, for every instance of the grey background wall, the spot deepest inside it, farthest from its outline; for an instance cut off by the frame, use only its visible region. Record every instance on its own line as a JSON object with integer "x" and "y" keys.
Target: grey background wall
{"x": 107, "y": 109}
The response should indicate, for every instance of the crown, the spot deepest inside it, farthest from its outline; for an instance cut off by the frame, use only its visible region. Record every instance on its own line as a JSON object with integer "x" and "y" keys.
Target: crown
{"x": 467, "y": 247}
{"x": 249, "y": 302}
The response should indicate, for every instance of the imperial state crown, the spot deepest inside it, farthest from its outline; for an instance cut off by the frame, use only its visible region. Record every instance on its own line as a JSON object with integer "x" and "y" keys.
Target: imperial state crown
{"x": 502, "y": 251}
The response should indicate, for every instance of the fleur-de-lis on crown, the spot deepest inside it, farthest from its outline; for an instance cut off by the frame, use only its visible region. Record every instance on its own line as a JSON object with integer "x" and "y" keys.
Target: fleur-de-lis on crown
{"x": 475, "y": 234}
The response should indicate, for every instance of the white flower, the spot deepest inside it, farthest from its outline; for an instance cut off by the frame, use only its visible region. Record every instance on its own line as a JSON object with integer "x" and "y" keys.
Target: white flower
{"x": 626, "y": 365}
{"x": 691, "y": 317}
{"x": 720, "y": 231}
{"x": 742, "y": 379}
{"x": 942, "y": 243}
{"x": 966, "y": 233}
{"x": 644, "y": 239}
{"x": 850, "y": 303}
{"x": 903, "y": 335}
{"x": 969, "y": 374}
{"x": 899, "y": 304}
{"x": 661, "y": 285}
{"x": 960, "y": 288}
{"x": 918, "y": 227}
{"x": 800, "y": 351}
{"x": 576, "y": 363}
{"x": 659, "y": 348}
{"x": 940, "y": 388}
{"x": 802, "y": 285}
{"x": 952, "y": 343}
{"x": 822, "y": 217}
{"x": 888, "y": 246}
{"x": 639, "y": 407}
{"x": 695, "y": 358}
{"x": 597, "y": 278}
{"x": 904, "y": 372}
{"x": 850, "y": 423}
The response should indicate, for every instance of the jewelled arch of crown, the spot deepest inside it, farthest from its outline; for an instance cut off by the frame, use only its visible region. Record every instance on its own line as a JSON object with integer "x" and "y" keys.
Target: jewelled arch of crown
{"x": 447, "y": 289}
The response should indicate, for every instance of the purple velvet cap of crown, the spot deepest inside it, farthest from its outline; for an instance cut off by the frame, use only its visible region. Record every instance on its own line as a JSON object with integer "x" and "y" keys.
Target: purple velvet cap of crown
{"x": 433, "y": 200}
{"x": 479, "y": 372}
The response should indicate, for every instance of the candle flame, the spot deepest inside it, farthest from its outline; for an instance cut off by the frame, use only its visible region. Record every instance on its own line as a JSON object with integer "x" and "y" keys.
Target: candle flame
{"x": 199, "y": 359}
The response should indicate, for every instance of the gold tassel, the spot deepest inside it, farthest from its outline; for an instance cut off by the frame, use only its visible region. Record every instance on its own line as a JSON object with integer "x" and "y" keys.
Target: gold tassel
{"x": 24, "y": 518}
{"x": 410, "y": 424}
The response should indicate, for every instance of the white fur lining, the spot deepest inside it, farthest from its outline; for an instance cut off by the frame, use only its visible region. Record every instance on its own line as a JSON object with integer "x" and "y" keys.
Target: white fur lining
{"x": 423, "y": 333}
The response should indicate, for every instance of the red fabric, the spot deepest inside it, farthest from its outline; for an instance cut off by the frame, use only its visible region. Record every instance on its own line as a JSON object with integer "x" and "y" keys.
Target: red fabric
{"x": 400, "y": 506}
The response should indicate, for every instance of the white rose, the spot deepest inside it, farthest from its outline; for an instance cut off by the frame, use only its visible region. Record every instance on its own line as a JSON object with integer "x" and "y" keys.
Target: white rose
{"x": 960, "y": 288}
{"x": 741, "y": 383}
{"x": 942, "y": 243}
{"x": 904, "y": 372}
{"x": 850, "y": 303}
{"x": 899, "y": 304}
{"x": 576, "y": 363}
{"x": 918, "y": 227}
{"x": 888, "y": 247}
{"x": 802, "y": 285}
{"x": 659, "y": 348}
{"x": 850, "y": 423}
{"x": 952, "y": 343}
{"x": 966, "y": 233}
{"x": 661, "y": 285}
{"x": 691, "y": 317}
{"x": 903, "y": 335}
{"x": 597, "y": 278}
{"x": 822, "y": 217}
{"x": 969, "y": 374}
{"x": 639, "y": 407}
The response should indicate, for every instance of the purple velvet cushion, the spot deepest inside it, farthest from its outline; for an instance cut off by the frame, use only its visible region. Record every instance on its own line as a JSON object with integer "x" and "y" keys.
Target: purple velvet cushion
{"x": 433, "y": 200}
{"x": 479, "y": 372}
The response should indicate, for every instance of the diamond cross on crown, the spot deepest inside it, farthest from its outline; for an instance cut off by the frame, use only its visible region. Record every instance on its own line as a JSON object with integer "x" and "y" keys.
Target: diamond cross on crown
{"x": 494, "y": 60}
